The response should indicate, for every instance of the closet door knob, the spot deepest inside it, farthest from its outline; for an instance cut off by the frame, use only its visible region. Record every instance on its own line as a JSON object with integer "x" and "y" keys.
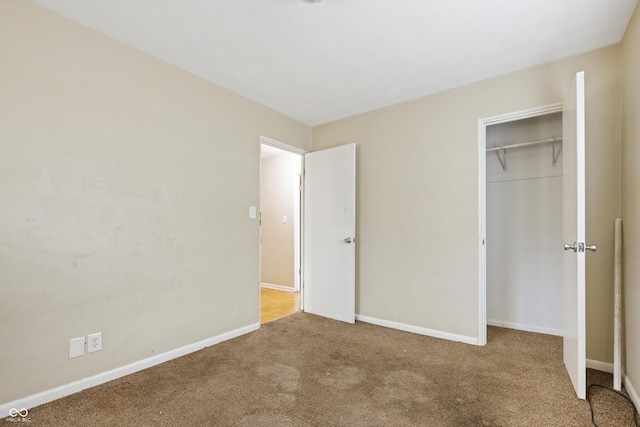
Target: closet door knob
{"x": 591, "y": 248}
{"x": 571, "y": 247}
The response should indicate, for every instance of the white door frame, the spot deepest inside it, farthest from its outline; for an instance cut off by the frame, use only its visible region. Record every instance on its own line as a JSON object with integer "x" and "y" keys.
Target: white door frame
{"x": 297, "y": 229}
{"x": 482, "y": 202}
{"x": 298, "y": 221}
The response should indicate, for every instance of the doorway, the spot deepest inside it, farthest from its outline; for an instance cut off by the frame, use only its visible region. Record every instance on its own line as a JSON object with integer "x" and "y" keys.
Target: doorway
{"x": 325, "y": 223}
{"x": 520, "y": 187}
{"x": 280, "y": 229}
{"x": 573, "y": 223}
{"x": 524, "y": 224}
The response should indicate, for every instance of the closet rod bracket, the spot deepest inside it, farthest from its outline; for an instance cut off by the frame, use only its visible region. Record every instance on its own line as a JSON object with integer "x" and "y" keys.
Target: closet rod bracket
{"x": 554, "y": 154}
{"x": 503, "y": 158}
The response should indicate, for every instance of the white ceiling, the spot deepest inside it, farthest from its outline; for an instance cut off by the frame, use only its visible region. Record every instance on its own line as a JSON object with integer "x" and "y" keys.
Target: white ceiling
{"x": 324, "y": 61}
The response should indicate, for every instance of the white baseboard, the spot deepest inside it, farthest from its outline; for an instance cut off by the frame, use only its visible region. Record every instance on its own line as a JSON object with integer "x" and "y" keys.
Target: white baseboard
{"x": 633, "y": 394}
{"x": 277, "y": 287}
{"x": 600, "y": 366}
{"x": 526, "y": 328}
{"x": 103, "y": 377}
{"x": 418, "y": 330}
{"x": 628, "y": 386}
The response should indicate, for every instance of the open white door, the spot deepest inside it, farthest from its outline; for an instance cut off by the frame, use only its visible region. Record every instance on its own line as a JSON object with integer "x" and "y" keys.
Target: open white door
{"x": 329, "y": 233}
{"x": 573, "y": 229}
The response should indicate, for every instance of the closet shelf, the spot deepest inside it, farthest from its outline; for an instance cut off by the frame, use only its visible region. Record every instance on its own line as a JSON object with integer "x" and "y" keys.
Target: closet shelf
{"x": 503, "y": 148}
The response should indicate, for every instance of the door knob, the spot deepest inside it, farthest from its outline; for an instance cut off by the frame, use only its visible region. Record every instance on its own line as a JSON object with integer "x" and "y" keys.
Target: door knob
{"x": 349, "y": 240}
{"x": 579, "y": 247}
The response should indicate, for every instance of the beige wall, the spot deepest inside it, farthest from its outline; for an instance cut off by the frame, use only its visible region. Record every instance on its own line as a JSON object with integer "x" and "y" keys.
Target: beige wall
{"x": 279, "y": 175}
{"x": 126, "y": 186}
{"x": 418, "y": 194}
{"x": 631, "y": 195}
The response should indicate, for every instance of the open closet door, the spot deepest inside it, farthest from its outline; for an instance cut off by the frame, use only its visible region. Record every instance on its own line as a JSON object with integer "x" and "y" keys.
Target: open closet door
{"x": 573, "y": 230}
{"x": 329, "y": 233}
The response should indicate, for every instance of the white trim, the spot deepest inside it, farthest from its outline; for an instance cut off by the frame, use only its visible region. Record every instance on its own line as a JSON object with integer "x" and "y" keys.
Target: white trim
{"x": 297, "y": 223}
{"x": 103, "y": 377}
{"x": 277, "y": 287}
{"x": 526, "y": 328}
{"x": 301, "y": 242}
{"x": 281, "y": 145}
{"x": 482, "y": 232}
{"x": 523, "y": 114}
{"x": 482, "y": 202}
{"x": 418, "y": 330}
{"x": 633, "y": 394}
{"x": 600, "y": 366}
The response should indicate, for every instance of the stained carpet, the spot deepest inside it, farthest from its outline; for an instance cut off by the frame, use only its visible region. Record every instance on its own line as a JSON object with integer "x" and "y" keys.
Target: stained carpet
{"x": 304, "y": 370}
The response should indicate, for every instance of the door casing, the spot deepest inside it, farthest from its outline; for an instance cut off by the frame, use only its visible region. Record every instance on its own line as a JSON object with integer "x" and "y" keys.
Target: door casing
{"x": 482, "y": 202}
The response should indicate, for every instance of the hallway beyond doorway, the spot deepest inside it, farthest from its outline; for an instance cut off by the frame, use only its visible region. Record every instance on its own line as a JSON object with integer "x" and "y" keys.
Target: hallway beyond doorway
{"x": 276, "y": 304}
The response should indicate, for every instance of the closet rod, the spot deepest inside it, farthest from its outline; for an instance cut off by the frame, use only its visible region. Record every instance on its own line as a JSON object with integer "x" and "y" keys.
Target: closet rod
{"x": 524, "y": 144}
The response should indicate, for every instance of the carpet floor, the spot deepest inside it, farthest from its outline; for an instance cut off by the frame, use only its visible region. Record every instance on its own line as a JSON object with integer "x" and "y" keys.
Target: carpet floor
{"x": 304, "y": 370}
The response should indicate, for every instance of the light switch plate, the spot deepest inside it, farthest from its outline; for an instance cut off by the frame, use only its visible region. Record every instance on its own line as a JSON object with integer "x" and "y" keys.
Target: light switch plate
{"x": 252, "y": 211}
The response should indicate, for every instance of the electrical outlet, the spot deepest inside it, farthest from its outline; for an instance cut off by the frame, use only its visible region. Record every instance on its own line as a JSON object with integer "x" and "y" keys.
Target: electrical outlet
{"x": 76, "y": 347}
{"x": 94, "y": 342}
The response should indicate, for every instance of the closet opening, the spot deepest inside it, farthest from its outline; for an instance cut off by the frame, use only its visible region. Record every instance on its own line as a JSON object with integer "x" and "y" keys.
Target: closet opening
{"x": 523, "y": 214}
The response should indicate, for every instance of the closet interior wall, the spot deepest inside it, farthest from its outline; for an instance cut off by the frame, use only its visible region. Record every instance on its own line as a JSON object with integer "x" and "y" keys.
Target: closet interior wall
{"x": 524, "y": 227}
